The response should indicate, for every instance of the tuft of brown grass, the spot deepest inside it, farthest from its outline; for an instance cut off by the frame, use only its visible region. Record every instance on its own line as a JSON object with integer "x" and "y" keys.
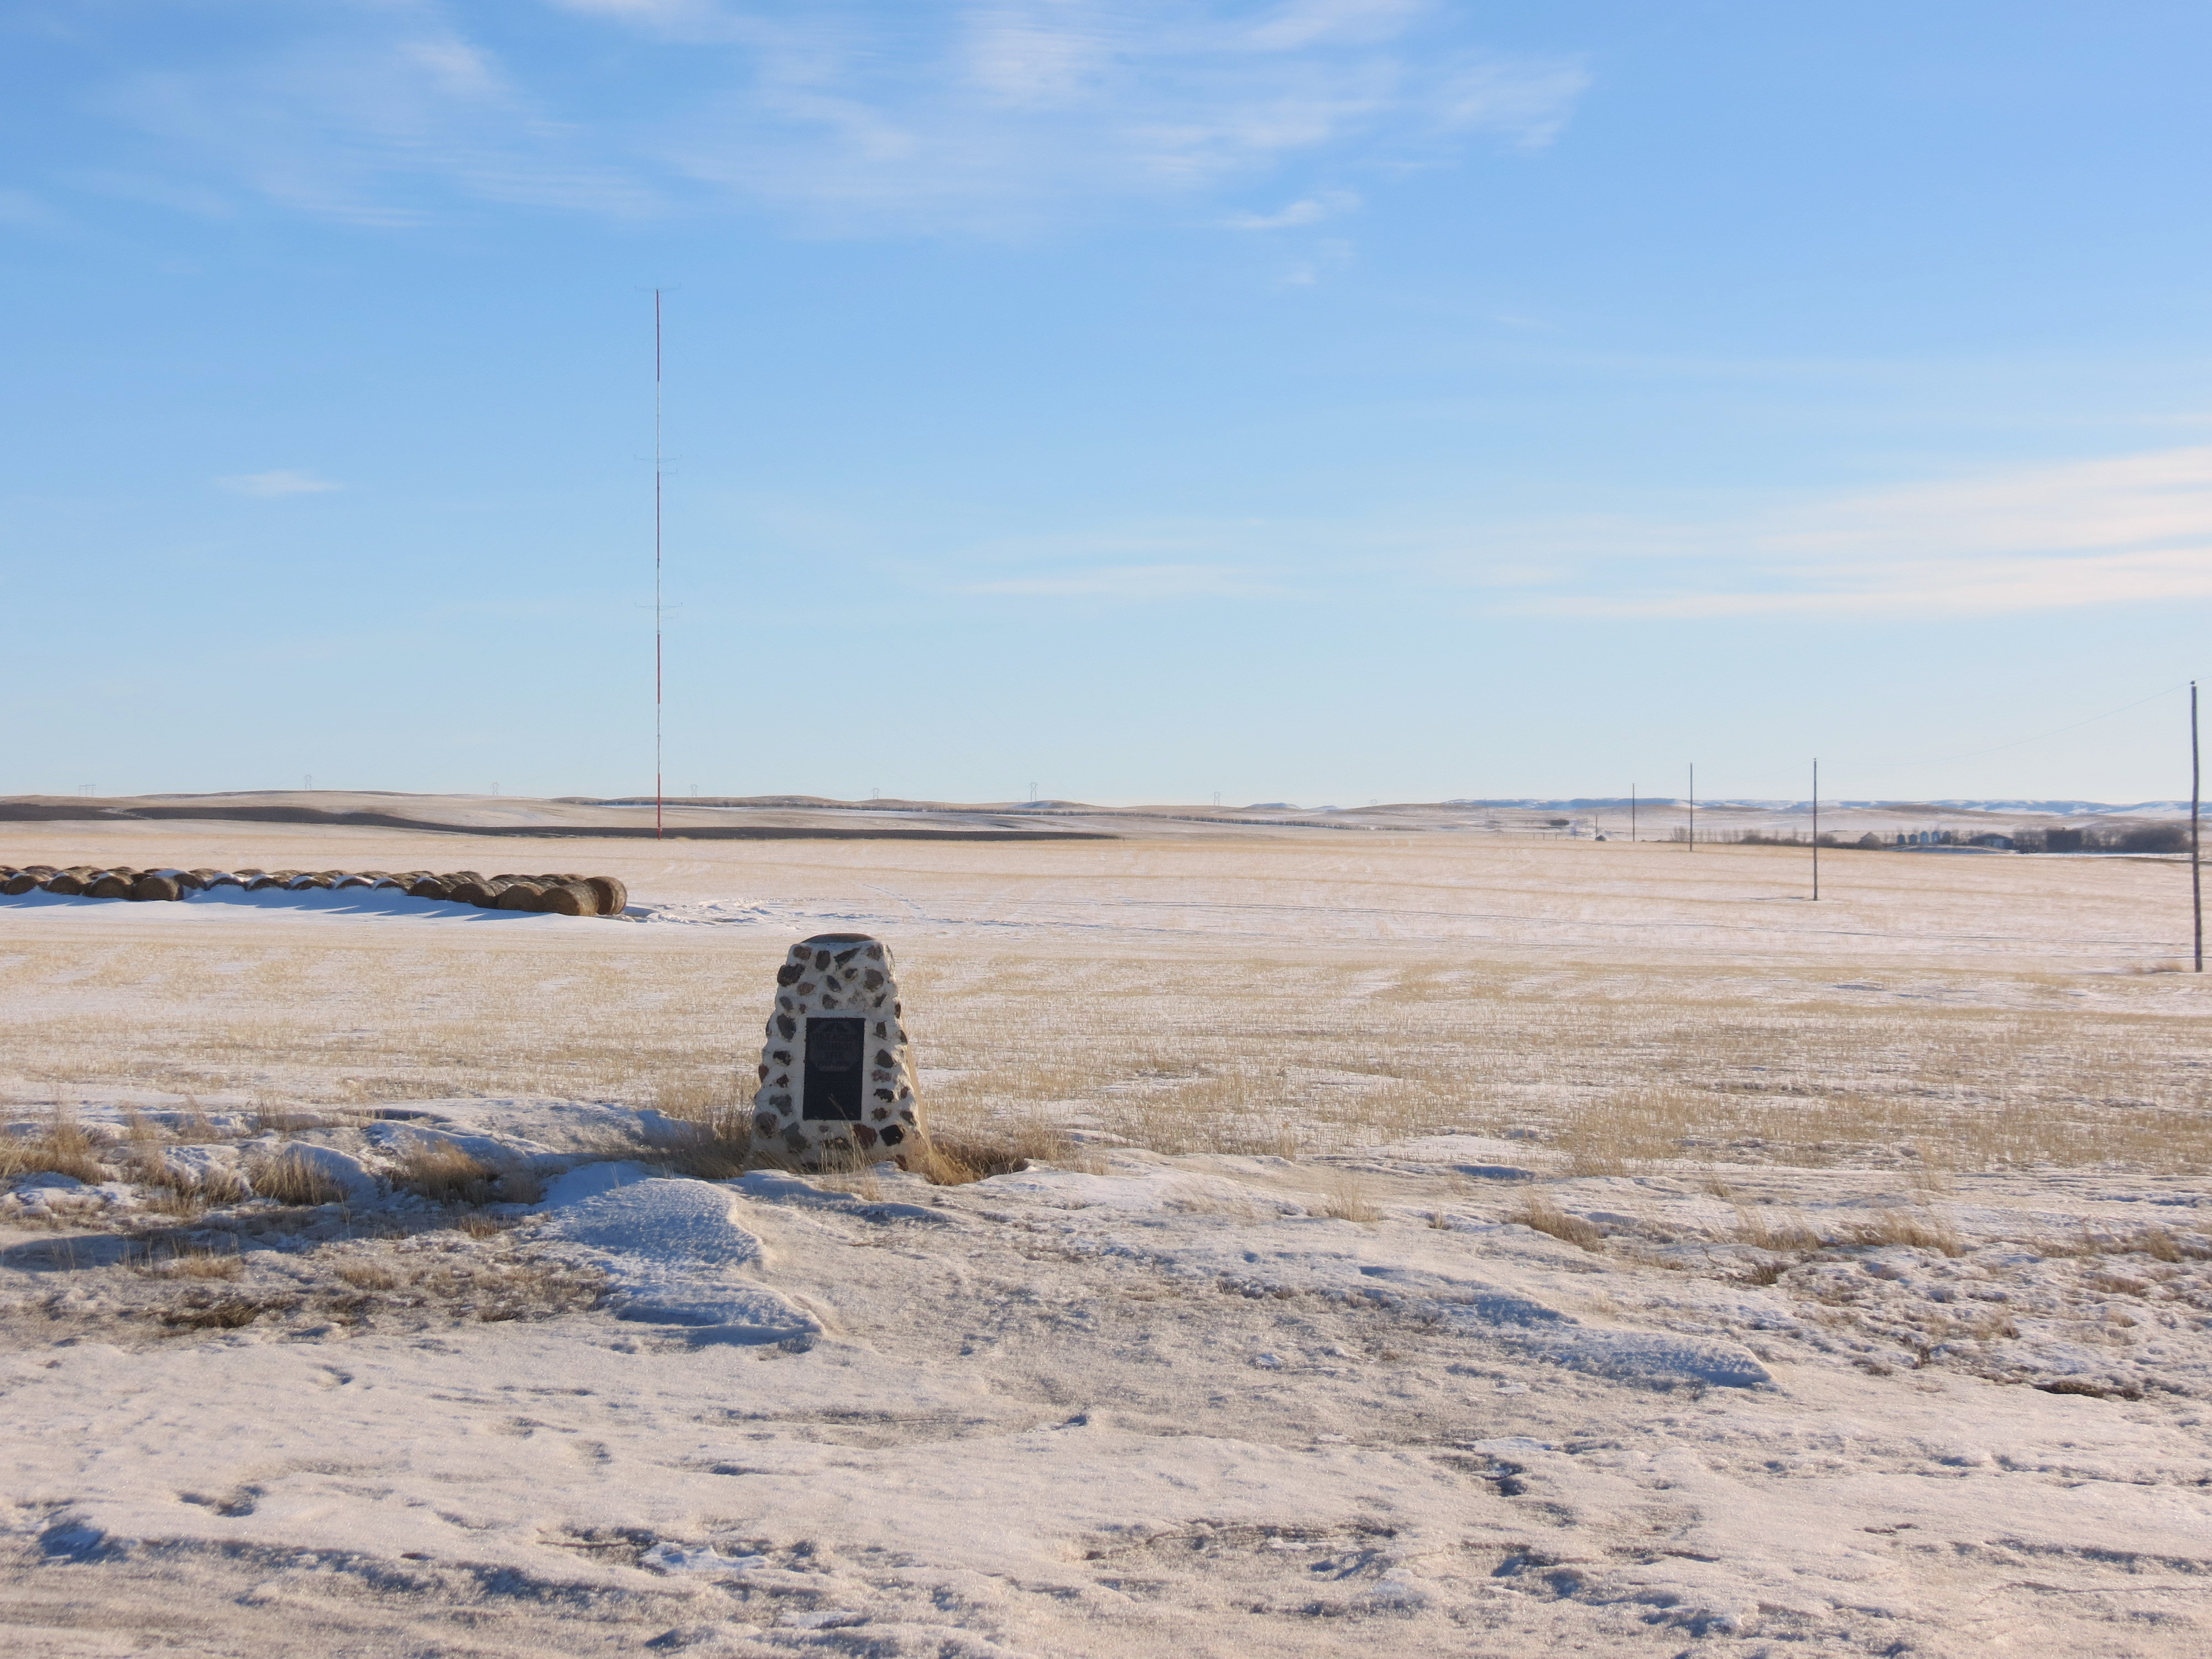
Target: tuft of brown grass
{"x": 178, "y": 1192}
{"x": 444, "y": 1174}
{"x": 1755, "y": 1229}
{"x": 61, "y": 1148}
{"x": 366, "y": 1275}
{"x": 1547, "y": 1218}
{"x": 1004, "y": 1146}
{"x": 1920, "y": 1233}
{"x": 1344, "y": 1198}
{"x": 205, "y": 1310}
{"x": 2159, "y": 1243}
{"x": 289, "y": 1178}
{"x": 193, "y": 1264}
{"x": 710, "y": 1157}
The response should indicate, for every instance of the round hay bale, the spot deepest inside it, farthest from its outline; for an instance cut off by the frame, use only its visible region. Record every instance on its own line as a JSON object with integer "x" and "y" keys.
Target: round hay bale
{"x": 355, "y": 881}
{"x": 614, "y": 897}
{"x": 465, "y": 875}
{"x": 41, "y": 871}
{"x": 206, "y": 879}
{"x": 21, "y": 881}
{"x": 570, "y": 898}
{"x": 108, "y": 886}
{"x": 318, "y": 882}
{"x": 520, "y": 896}
{"x": 474, "y": 892}
{"x": 154, "y": 886}
{"x": 257, "y": 883}
{"x": 429, "y": 887}
{"x": 66, "y": 883}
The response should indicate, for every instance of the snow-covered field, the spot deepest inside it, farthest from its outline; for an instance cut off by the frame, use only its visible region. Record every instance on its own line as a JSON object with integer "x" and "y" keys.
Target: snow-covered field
{"x": 1452, "y": 1247}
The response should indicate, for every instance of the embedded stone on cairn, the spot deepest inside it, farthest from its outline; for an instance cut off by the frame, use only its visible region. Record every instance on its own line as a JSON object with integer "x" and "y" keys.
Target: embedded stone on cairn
{"x": 836, "y": 1087}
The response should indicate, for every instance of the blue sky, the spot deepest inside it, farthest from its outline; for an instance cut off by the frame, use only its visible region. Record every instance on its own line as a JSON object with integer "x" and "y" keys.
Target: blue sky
{"x": 1321, "y": 400}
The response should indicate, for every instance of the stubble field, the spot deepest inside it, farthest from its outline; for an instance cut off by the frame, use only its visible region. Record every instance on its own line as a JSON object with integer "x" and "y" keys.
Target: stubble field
{"x": 1902, "y": 1191}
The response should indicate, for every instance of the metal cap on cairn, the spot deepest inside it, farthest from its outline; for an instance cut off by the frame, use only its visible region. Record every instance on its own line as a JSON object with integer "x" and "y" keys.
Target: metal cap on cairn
{"x": 834, "y": 1082}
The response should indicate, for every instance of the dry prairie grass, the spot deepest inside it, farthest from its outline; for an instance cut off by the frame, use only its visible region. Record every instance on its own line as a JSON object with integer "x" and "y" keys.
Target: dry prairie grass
{"x": 1344, "y": 1198}
{"x": 289, "y": 1178}
{"x": 1795, "y": 1236}
{"x": 1547, "y": 1218}
{"x": 181, "y": 1193}
{"x": 62, "y": 1148}
{"x": 444, "y": 1174}
{"x": 1620, "y": 1064}
{"x": 189, "y": 1261}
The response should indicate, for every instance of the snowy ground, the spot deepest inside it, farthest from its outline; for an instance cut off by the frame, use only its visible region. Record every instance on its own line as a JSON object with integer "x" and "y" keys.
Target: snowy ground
{"x": 1724, "y": 1402}
{"x": 1173, "y": 1407}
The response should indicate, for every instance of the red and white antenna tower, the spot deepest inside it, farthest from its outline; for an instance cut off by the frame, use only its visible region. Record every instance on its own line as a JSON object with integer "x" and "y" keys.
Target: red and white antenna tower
{"x": 657, "y": 795}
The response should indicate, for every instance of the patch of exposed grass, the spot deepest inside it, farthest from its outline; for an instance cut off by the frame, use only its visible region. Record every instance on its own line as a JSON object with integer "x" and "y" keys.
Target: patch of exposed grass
{"x": 445, "y": 1174}
{"x": 62, "y": 1148}
{"x": 290, "y": 1177}
{"x": 1547, "y": 1218}
{"x": 1000, "y": 1145}
{"x": 1920, "y": 1233}
{"x": 1344, "y": 1198}
{"x": 192, "y": 1263}
{"x": 1756, "y": 1229}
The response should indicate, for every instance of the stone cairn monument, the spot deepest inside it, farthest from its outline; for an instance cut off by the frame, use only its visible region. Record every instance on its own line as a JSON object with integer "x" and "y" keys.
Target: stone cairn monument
{"x": 836, "y": 1087}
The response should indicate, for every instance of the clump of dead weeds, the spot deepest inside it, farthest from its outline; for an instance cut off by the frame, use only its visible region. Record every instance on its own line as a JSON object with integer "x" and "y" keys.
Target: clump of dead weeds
{"x": 1547, "y": 1218}
{"x": 61, "y": 1148}
{"x": 446, "y": 1174}
{"x": 291, "y": 1177}
{"x": 1344, "y": 1198}
{"x": 957, "y": 1156}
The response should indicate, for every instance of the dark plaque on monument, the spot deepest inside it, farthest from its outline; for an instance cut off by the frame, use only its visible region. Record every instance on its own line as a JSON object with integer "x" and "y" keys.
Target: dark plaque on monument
{"x": 833, "y": 1082}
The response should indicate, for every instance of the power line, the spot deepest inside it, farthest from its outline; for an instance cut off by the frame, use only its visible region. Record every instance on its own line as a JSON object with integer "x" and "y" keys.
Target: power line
{"x": 1971, "y": 754}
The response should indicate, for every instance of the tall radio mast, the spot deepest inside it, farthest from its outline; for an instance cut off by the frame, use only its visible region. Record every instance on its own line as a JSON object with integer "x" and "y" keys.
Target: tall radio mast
{"x": 657, "y": 795}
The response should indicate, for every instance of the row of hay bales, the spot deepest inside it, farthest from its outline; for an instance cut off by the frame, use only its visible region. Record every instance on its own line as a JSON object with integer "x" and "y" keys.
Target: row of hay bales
{"x": 564, "y": 894}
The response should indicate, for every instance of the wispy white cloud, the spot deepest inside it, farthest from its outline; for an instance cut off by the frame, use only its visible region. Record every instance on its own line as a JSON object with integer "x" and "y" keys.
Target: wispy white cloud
{"x": 2132, "y": 529}
{"x": 1306, "y": 210}
{"x": 985, "y": 115}
{"x": 1136, "y": 581}
{"x": 269, "y": 486}
{"x": 352, "y": 109}
{"x": 2129, "y": 530}
{"x": 21, "y": 208}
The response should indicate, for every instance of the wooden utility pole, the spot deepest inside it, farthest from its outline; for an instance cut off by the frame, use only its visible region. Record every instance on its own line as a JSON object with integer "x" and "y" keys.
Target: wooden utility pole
{"x": 1631, "y": 815}
{"x": 1816, "y": 829}
{"x": 2196, "y": 863}
{"x": 1693, "y": 806}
